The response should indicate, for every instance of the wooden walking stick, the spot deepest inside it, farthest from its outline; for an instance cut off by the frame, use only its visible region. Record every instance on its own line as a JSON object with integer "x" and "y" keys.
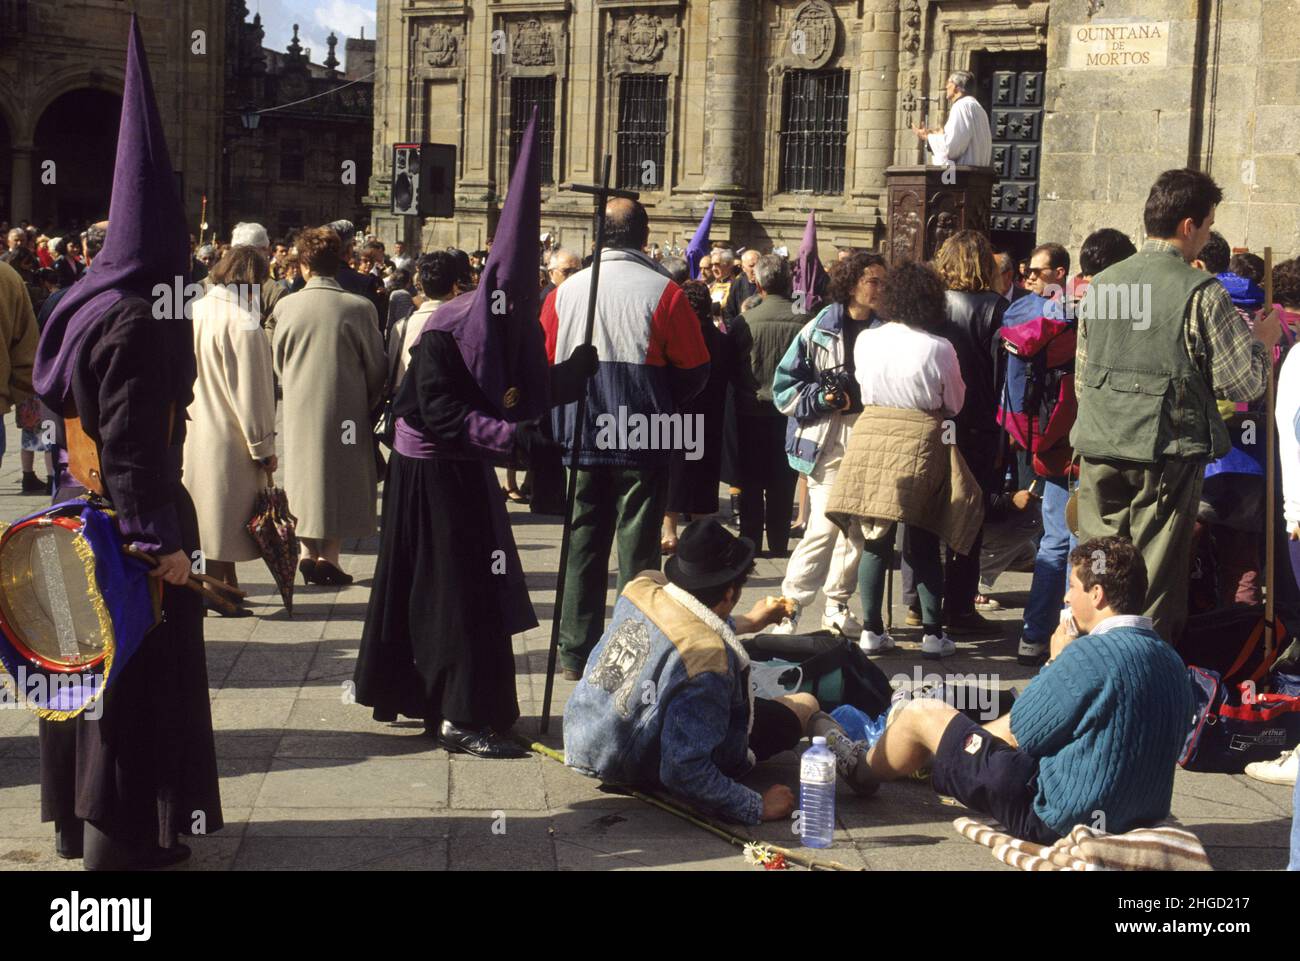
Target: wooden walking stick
{"x": 600, "y": 193}
{"x": 1270, "y": 481}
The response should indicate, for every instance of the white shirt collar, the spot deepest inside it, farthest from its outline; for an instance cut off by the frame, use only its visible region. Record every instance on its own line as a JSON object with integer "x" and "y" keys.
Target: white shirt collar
{"x": 1122, "y": 620}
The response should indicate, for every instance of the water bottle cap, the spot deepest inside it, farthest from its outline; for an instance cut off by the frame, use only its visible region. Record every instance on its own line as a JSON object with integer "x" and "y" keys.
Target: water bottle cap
{"x": 819, "y": 742}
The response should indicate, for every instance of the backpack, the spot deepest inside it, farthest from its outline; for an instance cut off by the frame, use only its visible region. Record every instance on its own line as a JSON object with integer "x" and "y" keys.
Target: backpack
{"x": 1230, "y": 729}
{"x": 827, "y": 666}
{"x": 1038, "y": 405}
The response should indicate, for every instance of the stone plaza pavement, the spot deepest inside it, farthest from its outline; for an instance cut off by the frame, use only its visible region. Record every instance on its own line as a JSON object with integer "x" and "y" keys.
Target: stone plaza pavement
{"x": 309, "y": 781}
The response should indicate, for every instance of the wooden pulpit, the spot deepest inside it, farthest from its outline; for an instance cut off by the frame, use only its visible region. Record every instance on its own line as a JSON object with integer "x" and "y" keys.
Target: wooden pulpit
{"x": 924, "y": 211}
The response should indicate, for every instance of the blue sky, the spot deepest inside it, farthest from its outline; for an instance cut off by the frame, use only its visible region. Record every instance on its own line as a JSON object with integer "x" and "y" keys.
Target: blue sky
{"x": 315, "y": 19}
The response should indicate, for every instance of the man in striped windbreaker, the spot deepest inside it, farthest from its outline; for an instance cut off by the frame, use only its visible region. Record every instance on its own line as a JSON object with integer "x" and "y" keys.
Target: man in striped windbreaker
{"x": 652, "y": 360}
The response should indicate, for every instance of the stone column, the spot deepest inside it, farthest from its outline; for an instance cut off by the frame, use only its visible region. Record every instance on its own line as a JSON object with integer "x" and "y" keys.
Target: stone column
{"x": 21, "y": 201}
{"x": 728, "y": 97}
{"x": 877, "y": 98}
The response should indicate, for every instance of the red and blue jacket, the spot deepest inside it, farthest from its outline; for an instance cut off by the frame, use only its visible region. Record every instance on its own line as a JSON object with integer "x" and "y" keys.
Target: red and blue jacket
{"x": 653, "y": 358}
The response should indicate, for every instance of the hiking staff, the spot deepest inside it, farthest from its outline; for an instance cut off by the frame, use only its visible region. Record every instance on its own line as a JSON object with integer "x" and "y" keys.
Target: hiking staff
{"x": 601, "y": 194}
{"x": 1270, "y": 479}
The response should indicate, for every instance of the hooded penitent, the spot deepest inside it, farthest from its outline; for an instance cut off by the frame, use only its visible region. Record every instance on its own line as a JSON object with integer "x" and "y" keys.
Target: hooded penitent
{"x": 809, "y": 277}
{"x": 147, "y": 245}
{"x": 147, "y": 242}
{"x": 699, "y": 245}
{"x": 495, "y": 325}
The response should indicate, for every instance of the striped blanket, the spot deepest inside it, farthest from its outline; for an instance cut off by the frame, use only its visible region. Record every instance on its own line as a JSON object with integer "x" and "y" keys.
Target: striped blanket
{"x": 1164, "y": 847}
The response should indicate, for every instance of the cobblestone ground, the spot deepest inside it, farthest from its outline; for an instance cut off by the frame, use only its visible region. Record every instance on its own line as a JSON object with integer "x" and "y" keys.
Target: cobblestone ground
{"x": 309, "y": 781}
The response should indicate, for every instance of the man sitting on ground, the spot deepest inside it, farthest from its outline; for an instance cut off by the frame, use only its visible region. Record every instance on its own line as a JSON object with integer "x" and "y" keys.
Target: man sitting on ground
{"x": 666, "y": 700}
{"x": 1094, "y": 738}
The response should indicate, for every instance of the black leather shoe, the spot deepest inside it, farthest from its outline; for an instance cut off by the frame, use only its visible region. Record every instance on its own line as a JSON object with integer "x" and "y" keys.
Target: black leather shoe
{"x": 484, "y": 743}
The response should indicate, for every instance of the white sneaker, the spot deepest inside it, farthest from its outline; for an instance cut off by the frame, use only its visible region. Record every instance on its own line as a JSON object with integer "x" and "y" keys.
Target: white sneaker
{"x": 840, "y": 619}
{"x": 1281, "y": 771}
{"x": 788, "y": 625}
{"x": 936, "y": 647}
{"x": 1031, "y": 654}
{"x": 874, "y": 643}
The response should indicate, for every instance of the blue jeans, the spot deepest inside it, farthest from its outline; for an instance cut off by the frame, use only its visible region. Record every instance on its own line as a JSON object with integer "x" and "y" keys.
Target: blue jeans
{"x": 1047, "y": 593}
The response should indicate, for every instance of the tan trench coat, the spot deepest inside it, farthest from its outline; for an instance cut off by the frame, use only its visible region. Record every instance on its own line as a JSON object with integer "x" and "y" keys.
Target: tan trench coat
{"x": 232, "y": 424}
{"x": 330, "y": 359}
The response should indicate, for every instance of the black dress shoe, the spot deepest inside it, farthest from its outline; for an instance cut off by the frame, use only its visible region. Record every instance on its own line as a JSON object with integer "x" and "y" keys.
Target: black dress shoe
{"x": 485, "y": 743}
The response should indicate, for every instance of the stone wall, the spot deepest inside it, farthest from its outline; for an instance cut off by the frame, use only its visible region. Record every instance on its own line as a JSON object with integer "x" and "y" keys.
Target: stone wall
{"x": 1221, "y": 93}
{"x": 58, "y": 53}
{"x": 1226, "y": 102}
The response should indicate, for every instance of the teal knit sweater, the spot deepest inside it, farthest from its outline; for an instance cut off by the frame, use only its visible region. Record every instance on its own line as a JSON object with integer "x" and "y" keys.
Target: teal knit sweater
{"x": 1107, "y": 720}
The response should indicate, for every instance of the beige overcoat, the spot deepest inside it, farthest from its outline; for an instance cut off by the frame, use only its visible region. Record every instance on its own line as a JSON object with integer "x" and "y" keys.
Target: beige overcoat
{"x": 330, "y": 359}
{"x": 232, "y": 423}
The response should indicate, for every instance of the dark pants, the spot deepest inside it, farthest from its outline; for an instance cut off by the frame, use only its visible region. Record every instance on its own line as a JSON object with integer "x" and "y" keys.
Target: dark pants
{"x": 612, "y": 503}
{"x": 921, "y": 554}
{"x": 961, "y": 577}
{"x": 767, "y": 482}
{"x": 1154, "y": 506}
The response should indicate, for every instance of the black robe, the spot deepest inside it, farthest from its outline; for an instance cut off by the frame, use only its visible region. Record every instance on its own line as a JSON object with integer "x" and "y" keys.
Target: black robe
{"x": 444, "y": 606}
{"x": 146, "y": 769}
{"x": 436, "y": 642}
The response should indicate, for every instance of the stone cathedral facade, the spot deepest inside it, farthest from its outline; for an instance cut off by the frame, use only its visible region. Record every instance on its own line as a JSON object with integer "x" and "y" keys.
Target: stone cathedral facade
{"x": 775, "y": 108}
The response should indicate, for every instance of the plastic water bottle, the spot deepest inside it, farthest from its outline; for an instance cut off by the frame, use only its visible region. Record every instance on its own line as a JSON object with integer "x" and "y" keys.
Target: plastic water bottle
{"x": 817, "y": 795}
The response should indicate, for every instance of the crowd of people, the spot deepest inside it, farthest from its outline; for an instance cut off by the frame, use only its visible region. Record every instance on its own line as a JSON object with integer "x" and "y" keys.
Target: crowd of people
{"x": 958, "y": 406}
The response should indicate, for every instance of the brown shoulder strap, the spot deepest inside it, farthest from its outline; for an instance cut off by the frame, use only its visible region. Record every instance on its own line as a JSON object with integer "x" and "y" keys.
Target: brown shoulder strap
{"x": 83, "y": 452}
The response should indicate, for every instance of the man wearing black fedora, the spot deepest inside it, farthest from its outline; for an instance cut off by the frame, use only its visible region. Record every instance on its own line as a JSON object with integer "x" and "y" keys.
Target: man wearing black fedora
{"x": 666, "y": 699}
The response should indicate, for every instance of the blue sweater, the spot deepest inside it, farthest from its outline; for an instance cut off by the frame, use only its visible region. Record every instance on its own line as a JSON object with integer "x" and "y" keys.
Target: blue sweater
{"x": 1106, "y": 719}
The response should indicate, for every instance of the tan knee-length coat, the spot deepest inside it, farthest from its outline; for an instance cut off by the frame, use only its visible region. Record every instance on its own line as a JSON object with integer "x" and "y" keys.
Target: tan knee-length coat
{"x": 329, "y": 356}
{"x": 232, "y": 423}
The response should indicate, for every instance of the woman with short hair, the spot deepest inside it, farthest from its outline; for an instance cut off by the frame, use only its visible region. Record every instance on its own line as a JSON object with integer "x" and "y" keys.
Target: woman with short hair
{"x": 895, "y": 467}
{"x": 329, "y": 356}
{"x": 230, "y": 446}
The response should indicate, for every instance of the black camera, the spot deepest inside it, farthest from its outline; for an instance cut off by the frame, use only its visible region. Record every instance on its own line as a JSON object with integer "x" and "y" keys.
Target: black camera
{"x": 835, "y": 381}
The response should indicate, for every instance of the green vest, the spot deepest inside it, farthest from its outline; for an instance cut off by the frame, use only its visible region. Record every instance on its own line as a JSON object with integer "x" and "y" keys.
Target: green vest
{"x": 1142, "y": 398}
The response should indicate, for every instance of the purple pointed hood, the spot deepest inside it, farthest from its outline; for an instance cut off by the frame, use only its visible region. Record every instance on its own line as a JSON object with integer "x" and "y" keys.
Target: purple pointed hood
{"x": 147, "y": 242}
{"x": 496, "y": 325}
{"x": 699, "y": 245}
{"x": 809, "y": 277}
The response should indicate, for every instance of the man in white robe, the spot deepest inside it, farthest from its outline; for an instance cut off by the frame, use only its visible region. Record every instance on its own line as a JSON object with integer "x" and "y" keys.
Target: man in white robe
{"x": 965, "y": 139}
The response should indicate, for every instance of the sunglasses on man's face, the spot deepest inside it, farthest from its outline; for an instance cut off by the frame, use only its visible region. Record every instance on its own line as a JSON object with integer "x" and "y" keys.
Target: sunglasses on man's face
{"x": 1035, "y": 271}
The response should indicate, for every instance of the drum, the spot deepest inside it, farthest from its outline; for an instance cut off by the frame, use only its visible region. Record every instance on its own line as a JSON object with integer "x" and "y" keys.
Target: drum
{"x": 74, "y": 608}
{"x": 50, "y": 605}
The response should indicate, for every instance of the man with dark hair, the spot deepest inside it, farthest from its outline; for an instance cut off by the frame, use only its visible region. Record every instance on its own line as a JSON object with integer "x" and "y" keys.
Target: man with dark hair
{"x": 1247, "y": 265}
{"x": 1101, "y": 249}
{"x": 763, "y": 335}
{"x": 652, "y": 361}
{"x": 1096, "y": 734}
{"x": 1215, "y": 256}
{"x": 1159, "y": 341}
{"x": 1049, "y": 265}
{"x": 703, "y": 728}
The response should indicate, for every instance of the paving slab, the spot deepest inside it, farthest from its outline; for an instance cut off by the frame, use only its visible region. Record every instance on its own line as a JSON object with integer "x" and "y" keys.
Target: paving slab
{"x": 310, "y": 781}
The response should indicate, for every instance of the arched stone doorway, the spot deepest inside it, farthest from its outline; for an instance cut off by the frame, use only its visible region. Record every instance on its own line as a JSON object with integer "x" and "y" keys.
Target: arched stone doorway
{"x": 78, "y": 132}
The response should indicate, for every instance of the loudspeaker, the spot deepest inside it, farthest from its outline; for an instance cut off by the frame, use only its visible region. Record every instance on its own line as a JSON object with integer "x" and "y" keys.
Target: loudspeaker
{"x": 424, "y": 179}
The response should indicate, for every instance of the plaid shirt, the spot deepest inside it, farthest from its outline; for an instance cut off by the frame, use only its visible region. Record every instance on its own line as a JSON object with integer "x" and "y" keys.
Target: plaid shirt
{"x": 1216, "y": 337}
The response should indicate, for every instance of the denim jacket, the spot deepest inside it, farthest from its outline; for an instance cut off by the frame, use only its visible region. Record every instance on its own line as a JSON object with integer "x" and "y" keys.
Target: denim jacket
{"x": 665, "y": 700}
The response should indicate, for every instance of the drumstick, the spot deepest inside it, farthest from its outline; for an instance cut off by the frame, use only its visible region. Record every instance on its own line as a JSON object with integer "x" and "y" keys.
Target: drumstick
{"x": 196, "y": 581}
